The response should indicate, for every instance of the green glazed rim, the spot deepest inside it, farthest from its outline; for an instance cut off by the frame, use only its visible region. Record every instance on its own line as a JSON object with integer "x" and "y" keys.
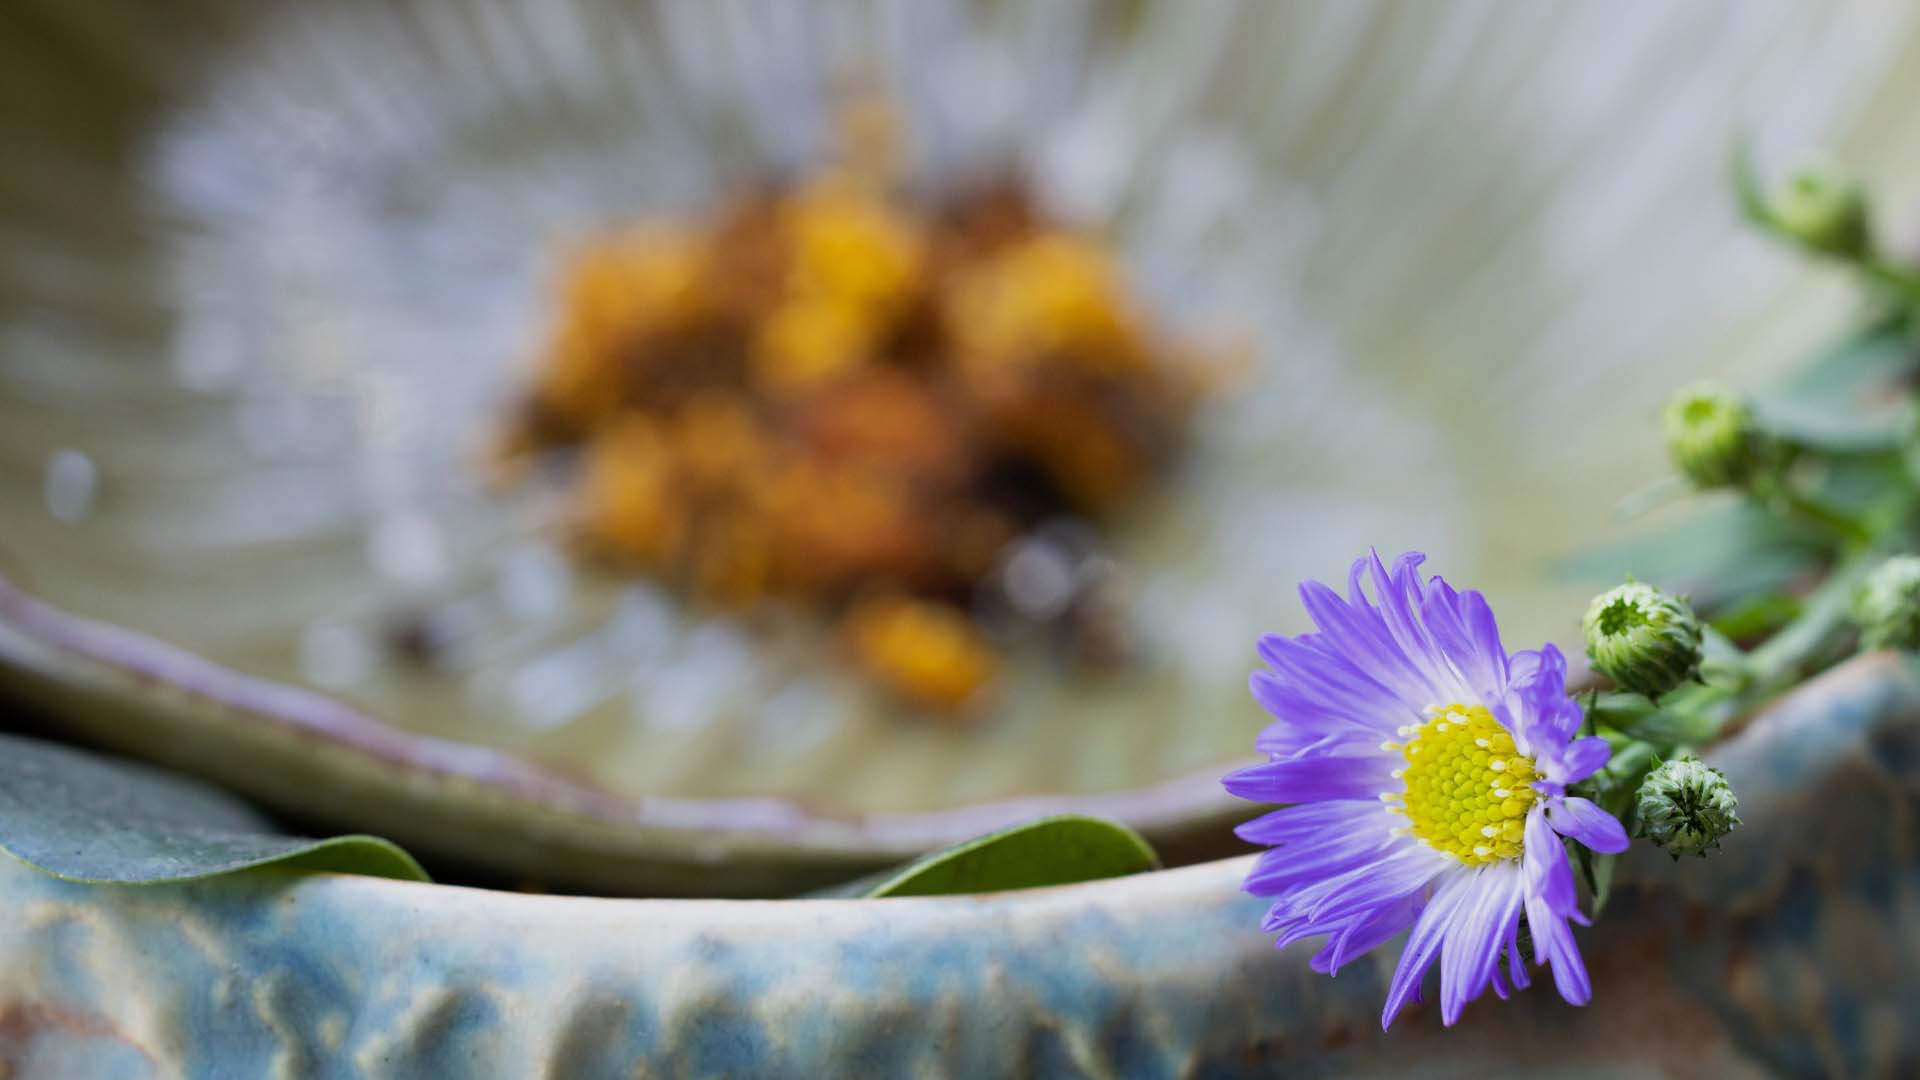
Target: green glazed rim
{"x": 305, "y": 753}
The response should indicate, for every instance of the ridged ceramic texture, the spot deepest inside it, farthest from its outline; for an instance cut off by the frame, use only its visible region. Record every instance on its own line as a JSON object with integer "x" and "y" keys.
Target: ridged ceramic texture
{"x": 1796, "y": 951}
{"x": 267, "y": 270}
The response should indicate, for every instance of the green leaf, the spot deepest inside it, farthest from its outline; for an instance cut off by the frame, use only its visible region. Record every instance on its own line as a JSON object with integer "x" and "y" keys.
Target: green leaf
{"x": 93, "y": 819}
{"x": 1861, "y": 368}
{"x": 1724, "y": 550}
{"x": 1597, "y": 871}
{"x": 1754, "y": 617}
{"x": 1672, "y": 728}
{"x": 1050, "y": 851}
{"x": 1618, "y": 709}
{"x": 1832, "y": 428}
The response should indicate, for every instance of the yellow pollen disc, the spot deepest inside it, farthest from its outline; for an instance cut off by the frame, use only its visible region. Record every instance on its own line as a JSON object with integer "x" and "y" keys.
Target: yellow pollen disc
{"x": 1468, "y": 790}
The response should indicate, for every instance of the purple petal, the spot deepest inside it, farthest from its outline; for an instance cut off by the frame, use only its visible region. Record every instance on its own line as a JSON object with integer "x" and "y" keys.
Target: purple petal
{"x": 1309, "y": 684}
{"x": 1553, "y": 943}
{"x": 1361, "y": 635}
{"x": 1523, "y": 667}
{"x": 1461, "y": 625}
{"x": 1313, "y": 779}
{"x": 1485, "y": 631}
{"x": 1363, "y": 935}
{"x": 1302, "y": 721}
{"x": 1545, "y": 861}
{"x": 1327, "y": 856}
{"x": 1346, "y": 910}
{"x": 1428, "y": 932}
{"x": 1301, "y": 823}
{"x": 1553, "y": 668}
{"x": 1283, "y": 740}
{"x": 1516, "y": 963}
{"x": 1400, "y": 602}
{"x": 1407, "y": 869}
{"x": 1581, "y": 759}
{"x": 1398, "y": 873}
{"x": 1581, "y": 820}
{"x": 1537, "y": 696}
{"x": 1474, "y": 939}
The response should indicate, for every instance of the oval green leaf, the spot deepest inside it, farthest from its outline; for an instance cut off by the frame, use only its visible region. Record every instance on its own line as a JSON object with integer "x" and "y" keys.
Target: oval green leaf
{"x": 1716, "y": 554}
{"x": 1049, "y": 851}
{"x": 93, "y": 819}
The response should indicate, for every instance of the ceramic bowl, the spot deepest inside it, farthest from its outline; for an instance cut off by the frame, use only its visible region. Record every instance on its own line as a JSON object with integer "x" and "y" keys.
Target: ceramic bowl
{"x": 269, "y": 271}
{"x": 1794, "y": 951}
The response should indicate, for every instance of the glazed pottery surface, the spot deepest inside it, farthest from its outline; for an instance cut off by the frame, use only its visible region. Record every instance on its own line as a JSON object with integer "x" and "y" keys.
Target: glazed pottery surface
{"x": 1796, "y": 951}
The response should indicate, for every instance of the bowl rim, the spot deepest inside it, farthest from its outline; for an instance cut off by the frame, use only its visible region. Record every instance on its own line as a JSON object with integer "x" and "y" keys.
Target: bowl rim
{"x": 77, "y": 651}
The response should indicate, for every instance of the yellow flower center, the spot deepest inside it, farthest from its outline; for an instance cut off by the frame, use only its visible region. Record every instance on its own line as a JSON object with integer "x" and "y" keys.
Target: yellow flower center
{"x": 1467, "y": 791}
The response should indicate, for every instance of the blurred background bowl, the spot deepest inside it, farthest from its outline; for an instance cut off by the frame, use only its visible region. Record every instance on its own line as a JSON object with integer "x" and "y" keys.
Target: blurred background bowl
{"x": 269, "y": 272}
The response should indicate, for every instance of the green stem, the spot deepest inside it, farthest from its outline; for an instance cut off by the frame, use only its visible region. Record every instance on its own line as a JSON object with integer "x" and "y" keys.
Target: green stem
{"x": 1898, "y": 278}
{"x": 1752, "y": 199}
{"x": 1723, "y": 663}
{"x": 1628, "y": 766}
{"x": 1782, "y": 498}
{"x": 1694, "y": 715}
{"x": 1619, "y": 710}
{"x": 1688, "y": 719}
{"x": 1847, "y": 527}
{"x": 1777, "y": 663}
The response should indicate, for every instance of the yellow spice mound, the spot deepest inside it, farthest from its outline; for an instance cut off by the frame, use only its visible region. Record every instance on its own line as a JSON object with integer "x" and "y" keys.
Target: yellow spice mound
{"x": 827, "y": 395}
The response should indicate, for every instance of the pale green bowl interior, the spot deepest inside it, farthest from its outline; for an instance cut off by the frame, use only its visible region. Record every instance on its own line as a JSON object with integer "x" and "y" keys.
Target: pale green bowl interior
{"x": 266, "y": 273}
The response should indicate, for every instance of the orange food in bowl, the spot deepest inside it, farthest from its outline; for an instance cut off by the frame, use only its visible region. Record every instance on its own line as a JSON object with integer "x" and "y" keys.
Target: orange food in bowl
{"x": 833, "y": 396}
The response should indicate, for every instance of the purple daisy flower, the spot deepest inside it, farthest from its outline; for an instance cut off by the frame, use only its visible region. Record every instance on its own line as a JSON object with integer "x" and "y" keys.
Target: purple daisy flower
{"x": 1426, "y": 772}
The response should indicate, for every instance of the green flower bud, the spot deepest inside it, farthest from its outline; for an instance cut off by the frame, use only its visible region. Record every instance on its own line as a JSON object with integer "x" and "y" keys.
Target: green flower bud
{"x": 1823, "y": 205}
{"x": 1887, "y": 607}
{"x": 1642, "y": 639}
{"x": 1712, "y": 436}
{"x": 1686, "y": 806}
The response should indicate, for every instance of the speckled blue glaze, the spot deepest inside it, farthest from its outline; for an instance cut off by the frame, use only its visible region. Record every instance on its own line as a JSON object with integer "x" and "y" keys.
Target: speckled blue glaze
{"x": 1797, "y": 951}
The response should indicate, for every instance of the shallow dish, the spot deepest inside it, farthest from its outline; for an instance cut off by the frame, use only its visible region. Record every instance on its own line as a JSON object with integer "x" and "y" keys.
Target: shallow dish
{"x": 268, "y": 271}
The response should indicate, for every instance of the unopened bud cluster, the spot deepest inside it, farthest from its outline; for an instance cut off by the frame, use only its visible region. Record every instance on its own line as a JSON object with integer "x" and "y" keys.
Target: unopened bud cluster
{"x": 1713, "y": 438}
{"x": 1686, "y": 806}
{"x": 1642, "y": 639}
{"x": 1887, "y": 608}
{"x": 1823, "y": 205}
